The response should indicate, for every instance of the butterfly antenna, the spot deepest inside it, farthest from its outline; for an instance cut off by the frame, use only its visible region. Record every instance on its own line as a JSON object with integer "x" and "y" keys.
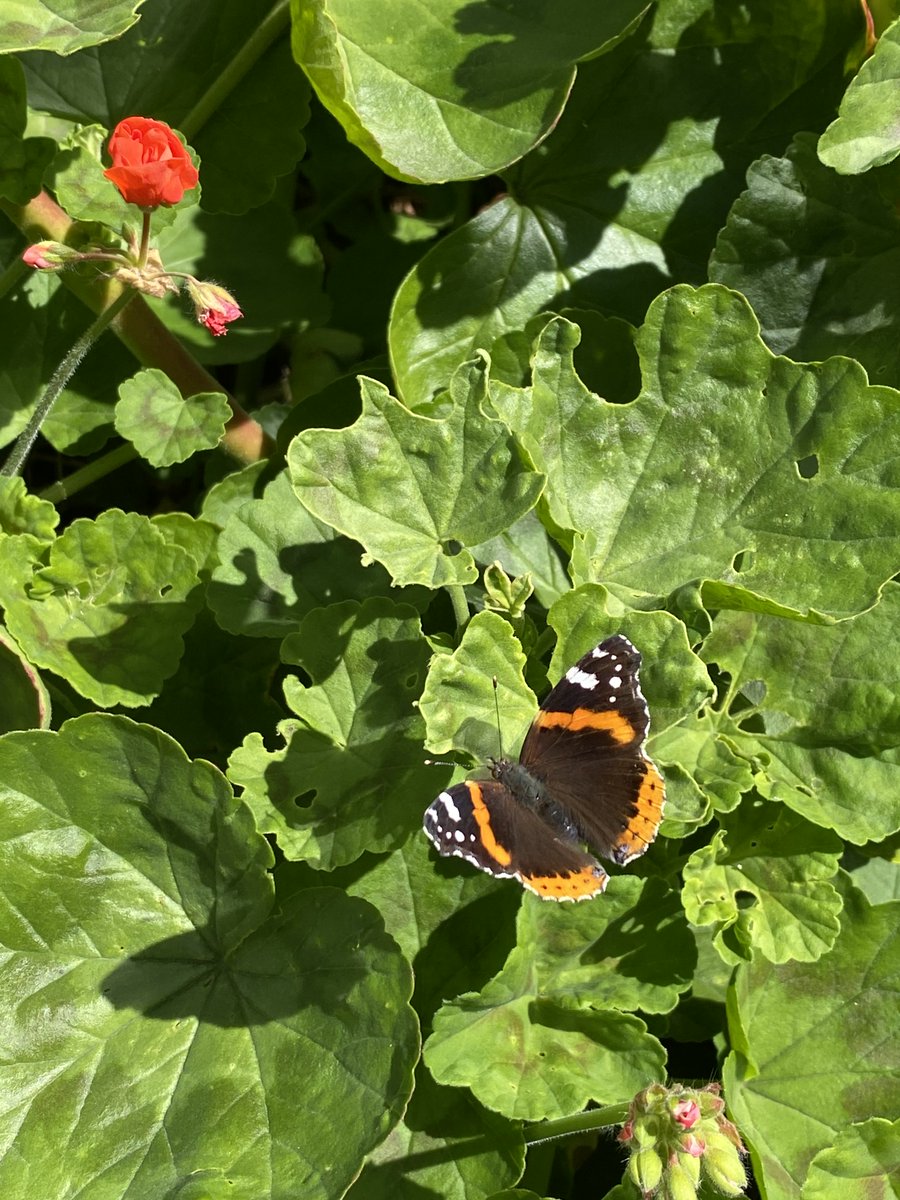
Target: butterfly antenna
{"x": 497, "y": 710}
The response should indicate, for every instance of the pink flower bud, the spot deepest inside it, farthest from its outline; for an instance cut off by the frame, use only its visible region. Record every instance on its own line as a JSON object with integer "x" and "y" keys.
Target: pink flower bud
{"x": 693, "y": 1145}
{"x": 686, "y": 1113}
{"x": 215, "y": 308}
{"x": 49, "y": 256}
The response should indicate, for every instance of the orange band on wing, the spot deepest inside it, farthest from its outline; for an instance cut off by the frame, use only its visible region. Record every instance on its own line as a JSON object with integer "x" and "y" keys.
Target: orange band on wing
{"x": 618, "y": 727}
{"x": 482, "y": 815}
{"x": 581, "y": 885}
{"x": 648, "y": 808}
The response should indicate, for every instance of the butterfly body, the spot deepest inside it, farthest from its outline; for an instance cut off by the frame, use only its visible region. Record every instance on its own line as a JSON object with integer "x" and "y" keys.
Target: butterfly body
{"x": 582, "y": 777}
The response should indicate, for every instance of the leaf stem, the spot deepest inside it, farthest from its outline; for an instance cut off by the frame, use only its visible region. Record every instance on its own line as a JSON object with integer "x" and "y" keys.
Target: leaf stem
{"x": 460, "y": 604}
{"x": 58, "y": 380}
{"x": 265, "y": 33}
{"x": 89, "y": 473}
{"x": 586, "y": 1122}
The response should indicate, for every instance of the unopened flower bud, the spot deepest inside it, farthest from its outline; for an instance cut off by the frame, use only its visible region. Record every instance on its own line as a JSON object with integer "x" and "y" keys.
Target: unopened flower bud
{"x": 645, "y": 1168}
{"x": 693, "y": 1145}
{"x": 686, "y": 1113}
{"x": 678, "y": 1183}
{"x": 49, "y": 256}
{"x": 690, "y": 1164}
{"x": 725, "y": 1170}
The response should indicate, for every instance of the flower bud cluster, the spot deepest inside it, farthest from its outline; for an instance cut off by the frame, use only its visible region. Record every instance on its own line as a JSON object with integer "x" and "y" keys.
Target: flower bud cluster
{"x": 675, "y": 1135}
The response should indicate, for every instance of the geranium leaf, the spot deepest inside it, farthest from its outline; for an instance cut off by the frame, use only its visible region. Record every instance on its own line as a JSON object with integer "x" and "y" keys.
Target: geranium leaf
{"x": 24, "y": 160}
{"x": 786, "y": 1021}
{"x": 352, "y": 761}
{"x": 104, "y": 605}
{"x": 553, "y": 1007}
{"x": 586, "y": 222}
{"x": 276, "y": 562}
{"x": 715, "y": 398}
{"x": 823, "y": 694}
{"x": 146, "y": 960}
{"x": 24, "y": 701}
{"x": 784, "y": 863}
{"x": 164, "y": 426}
{"x": 863, "y": 1164}
{"x": 417, "y": 491}
{"x": 865, "y": 132}
{"x": 458, "y": 702}
{"x": 811, "y": 250}
{"x": 469, "y": 105}
{"x": 64, "y": 27}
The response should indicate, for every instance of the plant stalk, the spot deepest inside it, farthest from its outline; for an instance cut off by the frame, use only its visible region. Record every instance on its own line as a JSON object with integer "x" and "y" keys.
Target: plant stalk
{"x": 58, "y": 380}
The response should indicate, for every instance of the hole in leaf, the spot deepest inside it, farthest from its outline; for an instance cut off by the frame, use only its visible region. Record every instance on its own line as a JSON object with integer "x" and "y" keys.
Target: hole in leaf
{"x": 808, "y": 467}
{"x": 744, "y": 899}
{"x": 742, "y": 561}
{"x": 305, "y": 799}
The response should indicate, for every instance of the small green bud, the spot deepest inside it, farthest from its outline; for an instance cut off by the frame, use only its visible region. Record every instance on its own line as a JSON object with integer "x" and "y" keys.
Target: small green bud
{"x": 645, "y": 1168}
{"x": 689, "y": 1164}
{"x": 725, "y": 1169}
{"x": 678, "y": 1183}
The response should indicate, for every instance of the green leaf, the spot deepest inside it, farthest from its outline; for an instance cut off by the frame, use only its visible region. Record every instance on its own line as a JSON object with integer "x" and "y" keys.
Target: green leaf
{"x": 827, "y": 700}
{"x": 65, "y": 25}
{"x": 815, "y": 1046}
{"x": 543, "y": 1037}
{"x": 863, "y": 1164}
{"x": 784, "y": 863}
{"x": 701, "y": 471}
{"x": 417, "y": 491}
{"x": 22, "y": 512}
{"x": 39, "y": 330}
{"x": 459, "y": 95}
{"x": 276, "y": 562}
{"x": 460, "y": 702}
{"x": 164, "y": 426}
{"x": 24, "y": 702}
{"x": 352, "y": 761}
{"x": 866, "y": 131}
{"x": 23, "y": 161}
{"x": 816, "y": 254}
{"x": 147, "y": 962}
{"x": 527, "y": 549}
{"x": 105, "y": 605}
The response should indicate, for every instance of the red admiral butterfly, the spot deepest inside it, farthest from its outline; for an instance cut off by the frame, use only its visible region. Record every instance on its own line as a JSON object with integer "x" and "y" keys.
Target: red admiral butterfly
{"x": 582, "y": 776}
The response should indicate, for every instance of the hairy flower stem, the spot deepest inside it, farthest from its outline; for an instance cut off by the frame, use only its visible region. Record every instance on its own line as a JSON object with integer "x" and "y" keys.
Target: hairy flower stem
{"x": 596, "y": 1118}
{"x": 59, "y": 379}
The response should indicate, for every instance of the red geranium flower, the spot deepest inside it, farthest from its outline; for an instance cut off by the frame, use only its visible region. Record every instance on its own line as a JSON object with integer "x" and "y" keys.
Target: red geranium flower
{"x": 150, "y": 163}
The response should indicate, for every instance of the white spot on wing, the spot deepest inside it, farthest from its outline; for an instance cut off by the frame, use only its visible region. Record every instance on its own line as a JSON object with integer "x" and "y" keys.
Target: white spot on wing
{"x": 615, "y": 682}
{"x": 581, "y": 678}
{"x": 452, "y": 811}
